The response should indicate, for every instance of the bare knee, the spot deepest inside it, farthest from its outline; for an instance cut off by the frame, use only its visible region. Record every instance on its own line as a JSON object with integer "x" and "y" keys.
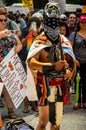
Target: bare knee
{"x": 42, "y": 123}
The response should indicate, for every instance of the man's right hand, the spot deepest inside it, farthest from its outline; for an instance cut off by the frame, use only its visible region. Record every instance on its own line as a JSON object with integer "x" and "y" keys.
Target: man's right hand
{"x": 61, "y": 64}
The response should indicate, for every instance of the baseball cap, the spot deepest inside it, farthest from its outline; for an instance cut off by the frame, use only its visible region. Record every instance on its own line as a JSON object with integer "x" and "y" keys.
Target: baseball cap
{"x": 82, "y": 18}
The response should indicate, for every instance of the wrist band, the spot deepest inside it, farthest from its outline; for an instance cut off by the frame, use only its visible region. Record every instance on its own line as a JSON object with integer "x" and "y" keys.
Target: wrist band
{"x": 48, "y": 68}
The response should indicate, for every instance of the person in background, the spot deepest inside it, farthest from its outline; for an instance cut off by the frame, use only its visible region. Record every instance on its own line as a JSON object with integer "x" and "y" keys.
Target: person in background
{"x": 40, "y": 17}
{"x": 22, "y": 22}
{"x": 11, "y": 24}
{"x": 46, "y": 58}
{"x": 71, "y": 22}
{"x": 78, "y": 41}
{"x": 29, "y": 15}
{"x": 34, "y": 25}
{"x": 7, "y": 41}
{"x": 64, "y": 30}
{"x": 78, "y": 12}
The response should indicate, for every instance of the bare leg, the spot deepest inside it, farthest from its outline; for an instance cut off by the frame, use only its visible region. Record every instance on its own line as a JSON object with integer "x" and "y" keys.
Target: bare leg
{"x": 9, "y": 104}
{"x": 25, "y": 109}
{"x": 34, "y": 106}
{"x": 7, "y": 99}
{"x": 43, "y": 117}
{"x": 52, "y": 127}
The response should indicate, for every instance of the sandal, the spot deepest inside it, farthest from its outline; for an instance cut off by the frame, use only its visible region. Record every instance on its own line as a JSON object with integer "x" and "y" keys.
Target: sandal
{"x": 11, "y": 113}
{"x": 25, "y": 110}
{"x": 35, "y": 109}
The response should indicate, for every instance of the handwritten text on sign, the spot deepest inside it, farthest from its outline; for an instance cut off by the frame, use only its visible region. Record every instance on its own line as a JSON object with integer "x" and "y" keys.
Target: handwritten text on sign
{"x": 13, "y": 77}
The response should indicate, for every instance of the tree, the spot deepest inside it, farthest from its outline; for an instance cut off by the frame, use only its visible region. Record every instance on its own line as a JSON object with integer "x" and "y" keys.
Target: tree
{"x": 1, "y": 3}
{"x": 10, "y": 2}
{"x": 73, "y": 1}
{"x": 39, "y": 3}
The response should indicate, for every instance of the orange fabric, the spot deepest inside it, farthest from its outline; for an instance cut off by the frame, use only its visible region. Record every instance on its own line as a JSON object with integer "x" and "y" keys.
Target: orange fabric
{"x": 1, "y": 123}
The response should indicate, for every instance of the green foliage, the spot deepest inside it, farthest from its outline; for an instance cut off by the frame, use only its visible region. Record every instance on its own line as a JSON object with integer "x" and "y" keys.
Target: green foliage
{"x": 10, "y": 2}
{"x": 73, "y": 1}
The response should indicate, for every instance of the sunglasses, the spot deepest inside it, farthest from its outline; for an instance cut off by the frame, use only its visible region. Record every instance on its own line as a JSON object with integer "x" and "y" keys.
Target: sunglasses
{"x": 3, "y": 20}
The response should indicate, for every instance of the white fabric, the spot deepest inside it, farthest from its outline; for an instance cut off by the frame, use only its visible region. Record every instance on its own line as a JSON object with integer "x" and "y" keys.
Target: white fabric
{"x": 30, "y": 84}
{"x": 35, "y": 48}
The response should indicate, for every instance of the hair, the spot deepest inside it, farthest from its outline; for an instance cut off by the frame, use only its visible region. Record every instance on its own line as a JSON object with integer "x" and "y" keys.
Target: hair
{"x": 4, "y": 9}
{"x": 11, "y": 16}
{"x": 71, "y": 14}
{"x": 3, "y": 14}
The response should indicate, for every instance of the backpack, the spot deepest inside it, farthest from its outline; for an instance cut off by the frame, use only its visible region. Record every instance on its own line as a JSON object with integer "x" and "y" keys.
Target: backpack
{"x": 18, "y": 124}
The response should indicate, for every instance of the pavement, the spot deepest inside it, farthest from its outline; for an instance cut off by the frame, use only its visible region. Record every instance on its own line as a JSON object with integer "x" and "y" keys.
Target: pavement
{"x": 72, "y": 119}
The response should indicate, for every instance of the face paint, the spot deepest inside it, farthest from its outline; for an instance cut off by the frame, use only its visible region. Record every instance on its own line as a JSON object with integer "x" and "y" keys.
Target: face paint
{"x": 52, "y": 10}
{"x": 51, "y": 21}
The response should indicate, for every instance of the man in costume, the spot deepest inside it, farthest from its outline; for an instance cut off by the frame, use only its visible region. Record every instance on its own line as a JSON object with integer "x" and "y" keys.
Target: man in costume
{"x": 52, "y": 59}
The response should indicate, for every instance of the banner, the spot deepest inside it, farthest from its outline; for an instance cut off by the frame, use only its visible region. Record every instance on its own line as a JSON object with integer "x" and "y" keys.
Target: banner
{"x": 14, "y": 77}
{"x": 84, "y": 9}
{"x": 27, "y": 3}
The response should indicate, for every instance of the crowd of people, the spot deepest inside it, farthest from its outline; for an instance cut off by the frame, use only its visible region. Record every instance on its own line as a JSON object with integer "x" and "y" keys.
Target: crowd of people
{"x": 52, "y": 49}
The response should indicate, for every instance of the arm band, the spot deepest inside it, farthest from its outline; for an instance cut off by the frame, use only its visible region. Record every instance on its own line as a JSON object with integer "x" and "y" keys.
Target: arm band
{"x": 48, "y": 68}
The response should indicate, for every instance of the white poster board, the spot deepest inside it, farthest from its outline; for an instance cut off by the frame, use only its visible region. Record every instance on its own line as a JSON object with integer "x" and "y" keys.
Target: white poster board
{"x": 1, "y": 88}
{"x": 13, "y": 77}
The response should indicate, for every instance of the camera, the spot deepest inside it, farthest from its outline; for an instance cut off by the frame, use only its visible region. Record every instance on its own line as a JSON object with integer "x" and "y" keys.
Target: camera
{"x": 13, "y": 31}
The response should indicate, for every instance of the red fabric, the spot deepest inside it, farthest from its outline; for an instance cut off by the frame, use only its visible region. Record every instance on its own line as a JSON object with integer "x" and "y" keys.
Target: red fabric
{"x": 55, "y": 82}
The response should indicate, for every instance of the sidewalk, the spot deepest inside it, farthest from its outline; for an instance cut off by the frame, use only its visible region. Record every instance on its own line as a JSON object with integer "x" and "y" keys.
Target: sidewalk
{"x": 72, "y": 120}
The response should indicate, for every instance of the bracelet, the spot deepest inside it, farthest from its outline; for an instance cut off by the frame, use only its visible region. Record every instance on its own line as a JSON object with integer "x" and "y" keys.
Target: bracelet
{"x": 48, "y": 68}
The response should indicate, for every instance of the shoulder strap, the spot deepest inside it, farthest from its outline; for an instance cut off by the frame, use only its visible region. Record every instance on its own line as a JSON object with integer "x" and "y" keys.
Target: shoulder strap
{"x": 75, "y": 38}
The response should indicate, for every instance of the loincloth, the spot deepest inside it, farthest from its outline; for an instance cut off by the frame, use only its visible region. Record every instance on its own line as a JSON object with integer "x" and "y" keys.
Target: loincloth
{"x": 51, "y": 92}
{"x": 45, "y": 85}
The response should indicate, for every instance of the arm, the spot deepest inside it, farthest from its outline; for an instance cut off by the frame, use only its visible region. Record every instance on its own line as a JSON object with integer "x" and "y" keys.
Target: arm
{"x": 71, "y": 71}
{"x": 35, "y": 64}
{"x": 19, "y": 46}
{"x": 4, "y": 33}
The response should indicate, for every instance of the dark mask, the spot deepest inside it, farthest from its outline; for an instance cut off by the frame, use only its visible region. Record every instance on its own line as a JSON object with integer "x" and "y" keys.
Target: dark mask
{"x": 51, "y": 21}
{"x": 51, "y": 29}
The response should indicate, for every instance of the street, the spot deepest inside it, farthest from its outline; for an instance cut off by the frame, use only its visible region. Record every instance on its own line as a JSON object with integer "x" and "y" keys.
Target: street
{"x": 72, "y": 120}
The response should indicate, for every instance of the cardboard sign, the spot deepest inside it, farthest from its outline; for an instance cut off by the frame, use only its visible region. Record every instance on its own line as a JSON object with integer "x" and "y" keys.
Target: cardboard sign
{"x": 14, "y": 77}
{"x": 83, "y": 9}
{"x": 27, "y": 3}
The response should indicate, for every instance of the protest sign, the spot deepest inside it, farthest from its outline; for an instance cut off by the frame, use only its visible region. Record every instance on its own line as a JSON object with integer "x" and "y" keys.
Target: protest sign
{"x": 27, "y": 3}
{"x": 13, "y": 77}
